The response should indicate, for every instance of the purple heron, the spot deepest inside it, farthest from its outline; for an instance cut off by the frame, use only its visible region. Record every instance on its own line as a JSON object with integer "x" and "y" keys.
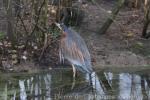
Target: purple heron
{"x": 73, "y": 48}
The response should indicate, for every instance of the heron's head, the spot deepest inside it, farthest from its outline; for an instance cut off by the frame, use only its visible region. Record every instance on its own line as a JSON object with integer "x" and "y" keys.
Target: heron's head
{"x": 63, "y": 28}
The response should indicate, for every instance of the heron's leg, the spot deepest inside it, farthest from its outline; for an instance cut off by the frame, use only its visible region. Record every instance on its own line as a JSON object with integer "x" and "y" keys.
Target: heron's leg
{"x": 74, "y": 71}
{"x": 74, "y": 74}
{"x": 89, "y": 78}
{"x": 73, "y": 83}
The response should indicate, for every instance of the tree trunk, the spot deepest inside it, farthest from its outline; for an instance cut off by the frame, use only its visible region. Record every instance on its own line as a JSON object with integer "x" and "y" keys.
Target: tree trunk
{"x": 109, "y": 21}
{"x": 17, "y": 7}
{"x": 10, "y": 19}
{"x": 144, "y": 32}
{"x": 146, "y": 20}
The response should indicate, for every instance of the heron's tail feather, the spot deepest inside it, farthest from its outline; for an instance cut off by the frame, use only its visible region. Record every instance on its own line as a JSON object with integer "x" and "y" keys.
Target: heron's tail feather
{"x": 85, "y": 69}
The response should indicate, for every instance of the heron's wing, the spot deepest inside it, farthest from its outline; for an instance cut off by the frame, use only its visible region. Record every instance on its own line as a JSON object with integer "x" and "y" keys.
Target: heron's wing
{"x": 72, "y": 52}
{"x": 82, "y": 47}
{"x": 80, "y": 43}
{"x": 74, "y": 55}
{"x": 74, "y": 49}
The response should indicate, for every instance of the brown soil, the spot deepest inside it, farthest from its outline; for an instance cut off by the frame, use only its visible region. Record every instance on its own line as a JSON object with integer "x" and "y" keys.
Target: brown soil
{"x": 122, "y": 44}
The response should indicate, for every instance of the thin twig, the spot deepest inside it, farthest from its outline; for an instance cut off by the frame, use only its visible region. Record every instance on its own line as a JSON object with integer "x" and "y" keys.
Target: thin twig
{"x": 44, "y": 47}
{"x": 23, "y": 24}
{"x": 45, "y": 40}
{"x": 29, "y": 36}
{"x": 39, "y": 27}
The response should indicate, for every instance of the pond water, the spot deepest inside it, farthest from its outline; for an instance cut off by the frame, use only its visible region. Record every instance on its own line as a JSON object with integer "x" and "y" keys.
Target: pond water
{"x": 58, "y": 84}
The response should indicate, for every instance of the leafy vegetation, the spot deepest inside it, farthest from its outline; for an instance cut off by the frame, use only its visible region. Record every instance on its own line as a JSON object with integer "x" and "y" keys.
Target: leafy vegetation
{"x": 2, "y": 35}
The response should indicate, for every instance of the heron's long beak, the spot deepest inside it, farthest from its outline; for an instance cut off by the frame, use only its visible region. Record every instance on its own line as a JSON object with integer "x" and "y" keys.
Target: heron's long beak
{"x": 58, "y": 25}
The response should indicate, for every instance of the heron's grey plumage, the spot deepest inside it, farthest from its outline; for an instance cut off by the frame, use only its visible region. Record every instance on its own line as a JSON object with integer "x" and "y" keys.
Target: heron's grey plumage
{"x": 74, "y": 49}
